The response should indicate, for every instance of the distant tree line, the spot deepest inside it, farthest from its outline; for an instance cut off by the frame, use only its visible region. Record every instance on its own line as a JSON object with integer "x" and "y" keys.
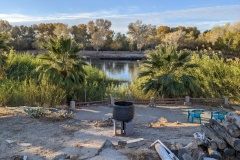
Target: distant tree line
{"x": 99, "y": 36}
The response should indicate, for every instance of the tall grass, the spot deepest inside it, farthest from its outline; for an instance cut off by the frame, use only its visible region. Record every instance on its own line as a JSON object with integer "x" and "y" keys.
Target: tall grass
{"x": 215, "y": 77}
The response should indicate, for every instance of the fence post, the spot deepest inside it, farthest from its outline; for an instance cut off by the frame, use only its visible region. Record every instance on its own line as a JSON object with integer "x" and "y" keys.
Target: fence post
{"x": 187, "y": 99}
{"x": 226, "y": 101}
{"x": 112, "y": 100}
{"x": 72, "y": 105}
{"x": 152, "y": 104}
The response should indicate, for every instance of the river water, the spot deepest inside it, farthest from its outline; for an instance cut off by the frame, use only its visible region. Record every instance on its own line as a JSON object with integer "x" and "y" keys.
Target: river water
{"x": 118, "y": 69}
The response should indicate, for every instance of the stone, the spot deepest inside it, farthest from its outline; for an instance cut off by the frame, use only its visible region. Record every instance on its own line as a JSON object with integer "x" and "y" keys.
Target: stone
{"x": 122, "y": 143}
{"x": 135, "y": 143}
{"x": 62, "y": 157}
{"x": 10, "y": 141}
{"x": 129, "y": 128}
{"x": 25, "y": 144}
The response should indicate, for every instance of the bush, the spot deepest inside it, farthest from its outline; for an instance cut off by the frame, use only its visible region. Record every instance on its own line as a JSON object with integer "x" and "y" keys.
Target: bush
{"x": 36, "y": 112}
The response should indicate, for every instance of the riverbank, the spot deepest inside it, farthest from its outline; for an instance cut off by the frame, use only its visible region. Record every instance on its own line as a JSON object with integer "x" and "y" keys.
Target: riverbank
{"x": 109, "y": 55}
{"x": 114, "y": 55}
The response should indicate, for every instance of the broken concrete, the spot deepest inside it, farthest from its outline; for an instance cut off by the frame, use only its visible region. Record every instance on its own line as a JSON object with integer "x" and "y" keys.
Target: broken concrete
{"x": 135, "y": 143}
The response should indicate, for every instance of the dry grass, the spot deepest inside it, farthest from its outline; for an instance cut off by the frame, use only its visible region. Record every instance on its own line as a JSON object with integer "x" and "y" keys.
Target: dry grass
{"x": 5, "y": 112}
{"x": 65, "y": 107}
{"x": 164, "y": 122}
{"x": 142, "y": 154}
{"x": 237, "y": 112}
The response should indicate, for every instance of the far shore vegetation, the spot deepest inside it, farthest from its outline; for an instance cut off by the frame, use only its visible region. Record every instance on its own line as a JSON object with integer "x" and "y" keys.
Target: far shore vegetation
{"x": 180, "y": 61}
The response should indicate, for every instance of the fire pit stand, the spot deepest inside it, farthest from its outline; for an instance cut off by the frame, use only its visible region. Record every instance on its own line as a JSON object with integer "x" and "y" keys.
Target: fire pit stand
{"x": 123, "y": 113}
{"x": 126, "y": 128}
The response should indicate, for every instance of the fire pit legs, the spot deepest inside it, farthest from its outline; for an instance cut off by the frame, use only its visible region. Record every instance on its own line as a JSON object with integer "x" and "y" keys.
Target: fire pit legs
{"x": 127, "y": 128}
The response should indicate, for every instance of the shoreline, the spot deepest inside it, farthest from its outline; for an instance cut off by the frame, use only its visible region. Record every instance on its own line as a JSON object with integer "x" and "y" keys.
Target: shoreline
{"x": 107, "y": 55}
{"x": 112, "y": 55}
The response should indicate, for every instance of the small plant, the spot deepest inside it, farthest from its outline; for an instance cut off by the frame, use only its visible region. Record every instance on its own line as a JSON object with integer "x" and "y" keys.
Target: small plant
{"x": 36, "y": 112}
{"x": 61, "y": 115}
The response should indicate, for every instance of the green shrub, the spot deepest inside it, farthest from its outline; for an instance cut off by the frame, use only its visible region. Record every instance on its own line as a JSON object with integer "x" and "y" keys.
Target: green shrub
{"x": 36, "y": 112}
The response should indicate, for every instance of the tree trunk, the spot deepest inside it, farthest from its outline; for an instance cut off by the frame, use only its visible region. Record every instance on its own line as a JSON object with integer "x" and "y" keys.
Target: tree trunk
{"x": 214, "y": 154}
{"x": 234, "y": 118}
{"x": 223, "y": 133}
{"x": 213, "y": 136}
{"x": 183, "y": 153}
{"x": 212, "y": 144}
{"x": 231, "y": 128}
{"x": 196, "y": 151}
{"x": 229, "y": 151}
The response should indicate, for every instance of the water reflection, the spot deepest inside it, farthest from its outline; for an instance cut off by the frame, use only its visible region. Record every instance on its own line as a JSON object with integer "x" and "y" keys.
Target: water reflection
{"x": 119, "y": 69}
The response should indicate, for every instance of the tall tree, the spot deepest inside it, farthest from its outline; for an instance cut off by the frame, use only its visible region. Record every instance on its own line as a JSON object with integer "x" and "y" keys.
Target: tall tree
{"x": 162, "y": 31}
{"x": 43, "y": 32}
{"x": 165, "y": 72}
{"x": 117, "y": 43}
{"x": 80, "y": 34}
{"x": 5, "y": 26}
{"x": 22, "y": 37}
{"x": 139, "y": 33}
{"x": 174, "y": 38}
{"x": 99, "y": 32}
{"x": 61, "y": 30}
{"x": 3, "y": 58}
{"x": 62, "y": 65}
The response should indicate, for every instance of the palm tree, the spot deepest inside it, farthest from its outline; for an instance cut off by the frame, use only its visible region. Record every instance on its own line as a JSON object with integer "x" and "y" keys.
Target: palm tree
{"x": 62, "y": 65}
{"x": 166, "y": 73}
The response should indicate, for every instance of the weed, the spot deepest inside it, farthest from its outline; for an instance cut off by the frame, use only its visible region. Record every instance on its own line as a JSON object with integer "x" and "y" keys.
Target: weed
{"x": 36, "y": 112}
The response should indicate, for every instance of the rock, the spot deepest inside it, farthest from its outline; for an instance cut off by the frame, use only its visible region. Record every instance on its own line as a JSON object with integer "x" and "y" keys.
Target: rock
{"x": 25, "y": 144}
{"x": 62, "y": 156}
{"x": 121, "y": 143}
{"x": 10, "y": 141}
{"x": 107, "y": 144}
{"x": 135, "y": 143}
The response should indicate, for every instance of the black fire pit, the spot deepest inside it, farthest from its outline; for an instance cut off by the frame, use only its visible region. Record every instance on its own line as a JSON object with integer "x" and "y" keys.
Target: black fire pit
{"x": 123, "y": 111}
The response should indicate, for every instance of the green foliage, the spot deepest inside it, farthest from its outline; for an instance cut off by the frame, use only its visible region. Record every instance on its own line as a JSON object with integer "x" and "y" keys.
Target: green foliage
{"x": 94, "y": 85}
{"x": 216, "y": 76}
{"x": 35, "y": 112}
{"x": 30, "y": 92}
{"x": 165, "y": 72}
{"x": 62, "y": 65}
{"x": 21, "y": 66}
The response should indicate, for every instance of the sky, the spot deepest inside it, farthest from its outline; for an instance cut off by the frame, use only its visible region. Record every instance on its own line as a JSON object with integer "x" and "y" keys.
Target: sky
{"x": 203, "y": 14}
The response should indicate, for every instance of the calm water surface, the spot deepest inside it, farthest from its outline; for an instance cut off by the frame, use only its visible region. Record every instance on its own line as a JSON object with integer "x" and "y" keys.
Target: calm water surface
{"x": 119, "y": 69}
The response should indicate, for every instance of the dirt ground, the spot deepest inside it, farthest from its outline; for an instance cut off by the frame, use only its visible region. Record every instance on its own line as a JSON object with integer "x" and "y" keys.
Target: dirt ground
{"x": 80, "y": 138}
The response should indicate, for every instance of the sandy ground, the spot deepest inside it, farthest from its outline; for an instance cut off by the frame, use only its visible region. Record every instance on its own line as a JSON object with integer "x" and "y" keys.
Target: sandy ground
{"x": 41, "y": 139}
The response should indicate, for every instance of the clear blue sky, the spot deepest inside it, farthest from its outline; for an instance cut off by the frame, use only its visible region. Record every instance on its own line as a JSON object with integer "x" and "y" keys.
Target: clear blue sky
{"x": 203, "y": 14}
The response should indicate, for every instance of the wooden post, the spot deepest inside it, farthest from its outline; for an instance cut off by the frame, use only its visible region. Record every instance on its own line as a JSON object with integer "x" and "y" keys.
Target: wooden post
{"x": 152, "y": 104}
{"x": 226, "y": 101}
{"x": 112, "y": 101}
{"x": 187, "y": 99}
{"x": 72, "y": 105}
